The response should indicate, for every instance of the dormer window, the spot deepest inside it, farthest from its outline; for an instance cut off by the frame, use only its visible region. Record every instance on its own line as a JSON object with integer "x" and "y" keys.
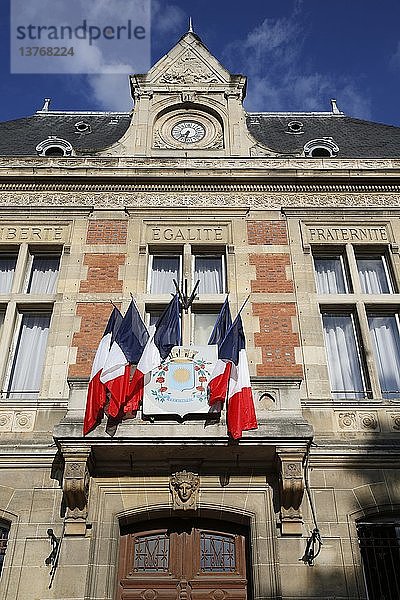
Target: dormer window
{"x": 54, "y": 146}
{"x": 295, "y": 127}
{"x": 321, "y": 148}
{"x": 82, "y": 127}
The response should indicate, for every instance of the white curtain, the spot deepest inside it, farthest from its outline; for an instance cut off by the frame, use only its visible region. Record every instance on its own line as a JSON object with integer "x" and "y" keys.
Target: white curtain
{"x": 164, "y": 270}
{"x": 373, "y": 277}
{"x": 386, "y": 343}
{"x": 329, "y": 275}
{"x": 343, "y": 358}
{"x": 44, "y": 275}
{"x": 26, "y": 374}
{"x": 208, "y": 269}
{"x": 203, "y": 325}
{"x": 7, "y": 270}
{"x": 2, "y": 315}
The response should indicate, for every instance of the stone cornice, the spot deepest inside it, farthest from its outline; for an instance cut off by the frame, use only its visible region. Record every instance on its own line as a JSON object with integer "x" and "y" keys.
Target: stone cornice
{"x": 185, "y": 186}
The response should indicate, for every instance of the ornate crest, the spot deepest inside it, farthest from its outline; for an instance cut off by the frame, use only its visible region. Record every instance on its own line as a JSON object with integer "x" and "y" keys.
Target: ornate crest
{"x": 184, "y": 487}
{"x": 179, "y": 385}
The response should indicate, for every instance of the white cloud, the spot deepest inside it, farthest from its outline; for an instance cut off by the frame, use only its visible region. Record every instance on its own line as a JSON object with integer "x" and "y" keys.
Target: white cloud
{"x": 111, "y": 92}
{"x": 167, "y": 19}
{"x": 282, "y": 78}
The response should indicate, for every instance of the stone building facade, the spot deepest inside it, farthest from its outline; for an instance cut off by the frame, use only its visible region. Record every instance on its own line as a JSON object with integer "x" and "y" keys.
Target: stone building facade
{"x": 298, "y": 210}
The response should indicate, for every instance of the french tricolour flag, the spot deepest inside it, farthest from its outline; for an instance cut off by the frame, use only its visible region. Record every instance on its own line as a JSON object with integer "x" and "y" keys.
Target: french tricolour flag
{"x": 231, "y": 379}
{"x": 96, "y": 396}
{"x": 126, "y": 349}
{"x": 167, "y": 334}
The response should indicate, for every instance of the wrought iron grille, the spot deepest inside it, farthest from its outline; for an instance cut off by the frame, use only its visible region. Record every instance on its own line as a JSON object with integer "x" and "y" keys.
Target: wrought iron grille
{"x": 217, "y": 553}
{"x": 151, "y": 553}
{"x": 380, "y": 552}
{"x": 4, "y": 529}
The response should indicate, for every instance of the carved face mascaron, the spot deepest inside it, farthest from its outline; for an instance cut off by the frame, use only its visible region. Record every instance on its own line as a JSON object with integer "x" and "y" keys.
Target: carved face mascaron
{"x": 188, "y": 132}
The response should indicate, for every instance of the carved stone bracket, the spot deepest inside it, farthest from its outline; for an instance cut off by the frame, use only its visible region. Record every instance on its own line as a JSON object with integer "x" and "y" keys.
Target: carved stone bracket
{"x": 76, "y": 488}
{"x": 291, "y": 488}
{"x": 184, "y": 487}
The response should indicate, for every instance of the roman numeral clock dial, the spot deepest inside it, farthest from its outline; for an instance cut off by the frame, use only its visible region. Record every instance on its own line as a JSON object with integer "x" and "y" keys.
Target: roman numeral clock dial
{"x": 188, "y": 132}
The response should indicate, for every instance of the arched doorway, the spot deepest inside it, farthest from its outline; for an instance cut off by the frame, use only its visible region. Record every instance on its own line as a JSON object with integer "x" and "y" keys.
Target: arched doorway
{"x": 183, "y": 558}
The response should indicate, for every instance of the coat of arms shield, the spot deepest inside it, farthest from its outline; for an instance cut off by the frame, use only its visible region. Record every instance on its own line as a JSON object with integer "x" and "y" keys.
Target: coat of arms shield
{"x": 179, "y": 385}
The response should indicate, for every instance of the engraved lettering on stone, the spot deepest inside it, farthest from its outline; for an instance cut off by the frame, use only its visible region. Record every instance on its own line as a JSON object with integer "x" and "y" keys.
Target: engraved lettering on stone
{"x": 34, "y": 233}
{"x": 354, "y": 234}
{"x": 347, "y": 420}
{"x": 184, "y": 487}
{"x": 188, "y": 234}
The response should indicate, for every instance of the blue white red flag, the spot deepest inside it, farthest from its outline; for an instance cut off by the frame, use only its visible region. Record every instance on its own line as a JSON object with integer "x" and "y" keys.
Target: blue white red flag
{"x": 231, "y": 380}
{"x": 96, "y": 396}
{"x": 167, "y": 335}
{"x": 222, "y": 324}
{"x": 126, "y": 350}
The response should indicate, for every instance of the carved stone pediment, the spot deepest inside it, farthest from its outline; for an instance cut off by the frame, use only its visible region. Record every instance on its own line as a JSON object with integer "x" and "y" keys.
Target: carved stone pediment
{"x": 189, "y": 69}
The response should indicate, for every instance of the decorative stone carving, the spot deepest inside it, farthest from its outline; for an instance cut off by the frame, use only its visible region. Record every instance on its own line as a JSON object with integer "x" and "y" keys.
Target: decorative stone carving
{"x": 6, "y": 419}
{"x": 368, "y": 420}
{"x": 188, "y": 69}
{"x": 395, "y": 421}
{"x": 291, "y": 491}
{"x": 347, "y": 420}
{"x": 184, "y": 487}
{"x": 76, "y": 489}
{"x": 159, "y": 142}
{"x": 23, "y": 421}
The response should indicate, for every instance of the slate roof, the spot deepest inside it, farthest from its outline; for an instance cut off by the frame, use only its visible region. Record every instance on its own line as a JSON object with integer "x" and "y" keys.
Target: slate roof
{"x": 20, "y": 137}
{"x": 354, "y": 137}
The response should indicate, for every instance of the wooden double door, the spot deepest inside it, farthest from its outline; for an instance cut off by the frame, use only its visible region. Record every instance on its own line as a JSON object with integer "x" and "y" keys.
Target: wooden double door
{"x": 184, "y": 560}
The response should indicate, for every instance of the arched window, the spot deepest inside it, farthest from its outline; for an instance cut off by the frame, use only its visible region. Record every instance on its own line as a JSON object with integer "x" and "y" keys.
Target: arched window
{"x": 322, "y": 147}
{"x": 54, "y": 146}
{"x": 380, "y": 552}
{"x": 4, "y": 531}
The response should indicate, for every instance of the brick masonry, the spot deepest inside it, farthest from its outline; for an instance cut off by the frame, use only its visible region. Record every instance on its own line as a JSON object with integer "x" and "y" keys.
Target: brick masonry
{"x": 267, "y": 232}
{"x": 276, "y": 339}
{"x": 94, "y": 317}
{"x": 107, "y": 232}
{"x": 102, "y": 275}
{"x": 271, "y": 273}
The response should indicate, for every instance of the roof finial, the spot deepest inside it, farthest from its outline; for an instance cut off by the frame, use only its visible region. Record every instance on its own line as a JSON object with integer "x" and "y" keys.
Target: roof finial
{"x": 334, "y": 107}
{"x": 46, "y": 104}
{"x": 190, "y": 30}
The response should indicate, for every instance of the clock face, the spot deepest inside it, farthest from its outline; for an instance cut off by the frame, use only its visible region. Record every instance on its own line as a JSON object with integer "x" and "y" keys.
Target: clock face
{"x": 188, "y": 132}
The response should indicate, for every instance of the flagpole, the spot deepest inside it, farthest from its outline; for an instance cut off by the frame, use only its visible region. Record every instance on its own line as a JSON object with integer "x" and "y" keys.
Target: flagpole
{"x": 236, "y": 318}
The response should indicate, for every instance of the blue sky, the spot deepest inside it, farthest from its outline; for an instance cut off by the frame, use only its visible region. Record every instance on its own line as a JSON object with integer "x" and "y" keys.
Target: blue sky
{"x": 297, "y": 55}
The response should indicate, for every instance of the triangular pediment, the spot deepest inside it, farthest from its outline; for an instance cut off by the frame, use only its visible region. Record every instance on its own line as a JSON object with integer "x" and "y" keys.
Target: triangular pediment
{"x": 189, "y": 63}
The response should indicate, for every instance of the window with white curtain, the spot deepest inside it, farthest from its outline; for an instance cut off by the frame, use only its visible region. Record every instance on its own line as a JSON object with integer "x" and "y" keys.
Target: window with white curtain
{"x": 28, "y": 356}
{"x": 43, "y": 274}
{"x": 203, "y": 324}
{"x": 343, "y": 355}
{"x": 7, "y": 270}
{"x": 2, "y": 316}
{"x": 163, "y": 270}
{"x": 331, "y": 275}
{"x": 210, "y": 271}
{"x": 385, "y": 336}
{"x": 188, "y": 264}
{"x": 374, "y": 274}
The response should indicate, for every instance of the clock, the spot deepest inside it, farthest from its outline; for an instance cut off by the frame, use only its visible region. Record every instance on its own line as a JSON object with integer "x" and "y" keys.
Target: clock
{"x": 188, "y": 132}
